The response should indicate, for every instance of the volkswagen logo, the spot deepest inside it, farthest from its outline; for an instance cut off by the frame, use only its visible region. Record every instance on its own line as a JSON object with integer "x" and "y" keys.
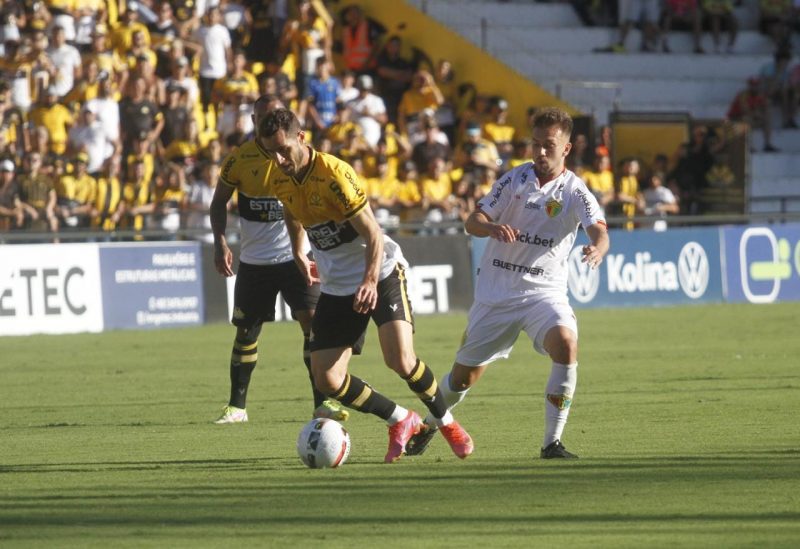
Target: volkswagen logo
{"x": 693, "y": 270}
{"x": 583, "y": 281}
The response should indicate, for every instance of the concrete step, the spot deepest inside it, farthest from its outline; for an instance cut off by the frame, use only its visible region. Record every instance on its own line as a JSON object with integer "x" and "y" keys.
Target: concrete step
{"x": 455, "y": 13}
{"x": 790, "y": 205}
{"x": 774, "y": 165}
{"x": 605, "y": 66}
{"x": 788, "y": 141}
{"x": 533, "y": 14}
{"x": 503, "y": 38}
{"x": 588, "y": 39}
{"x": 780, "y": 187}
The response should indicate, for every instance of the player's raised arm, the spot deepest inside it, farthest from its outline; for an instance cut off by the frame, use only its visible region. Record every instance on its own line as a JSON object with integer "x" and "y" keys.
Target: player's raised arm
{"x": 223, "y": 257}
{"x": 593, "y": 253}
{"x": 480, "y": 224}
{"x": 364, "y": 223}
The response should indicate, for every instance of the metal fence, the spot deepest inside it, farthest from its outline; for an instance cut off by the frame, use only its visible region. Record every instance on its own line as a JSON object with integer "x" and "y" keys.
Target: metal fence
{"x": 406, "y": 229}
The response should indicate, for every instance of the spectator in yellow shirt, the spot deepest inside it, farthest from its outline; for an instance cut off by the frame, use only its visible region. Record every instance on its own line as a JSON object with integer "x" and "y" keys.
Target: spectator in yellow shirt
{"x": 76, "y": 194}
{"x": 109, "y": 206}
{"x": 107, "y": 59}
{"x": 137, "y": 197}
{"x": 600, "y": 180}
{"x": 497, "y": 129}
{"x": 627, "y": 195}
{"x": 38, "y": 193}
{"x": 409, "y": 198}
{"x": 382, "y": 191}
{"x": 55, "y": 118}
{"x": 122, "y": 35}
{"x": 423, "y": 94}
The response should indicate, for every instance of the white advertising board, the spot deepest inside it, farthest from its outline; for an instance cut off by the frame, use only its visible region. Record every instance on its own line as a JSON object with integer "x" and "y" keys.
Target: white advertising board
{"x": 50, "y": 288}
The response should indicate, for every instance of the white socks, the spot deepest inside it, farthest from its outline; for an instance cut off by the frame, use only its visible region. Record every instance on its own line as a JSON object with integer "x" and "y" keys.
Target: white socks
{"x": 398, "y": 415}
{"x": 451, "y": 397}
{"x": 558, "y": 397}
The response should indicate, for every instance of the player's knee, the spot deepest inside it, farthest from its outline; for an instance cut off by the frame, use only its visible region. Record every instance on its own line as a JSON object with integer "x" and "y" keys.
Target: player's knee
{"x": 248, "y": 334}
{"x": 327, "y": 382}
{"x": 561, "y": 344}
{"x": 462, "y": 378}
{"x": 403, "y": 363}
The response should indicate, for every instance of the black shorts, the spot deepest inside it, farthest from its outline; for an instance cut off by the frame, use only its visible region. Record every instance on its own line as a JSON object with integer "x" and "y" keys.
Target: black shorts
{"x": 257, "y": 288}
{"x": 336, "y": 324}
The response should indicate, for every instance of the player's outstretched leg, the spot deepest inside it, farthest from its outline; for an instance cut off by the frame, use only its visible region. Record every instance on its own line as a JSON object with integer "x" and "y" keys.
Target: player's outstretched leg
{"x": 244, "y": 357}
{"x": 558, "y": 399}
{"x": 403, "y": 424}
{"x": 423, "y": 383}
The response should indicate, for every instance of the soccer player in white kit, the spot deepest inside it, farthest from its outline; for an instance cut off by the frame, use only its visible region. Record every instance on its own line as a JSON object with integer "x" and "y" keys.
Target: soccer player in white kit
{"x": 532, "y": 217}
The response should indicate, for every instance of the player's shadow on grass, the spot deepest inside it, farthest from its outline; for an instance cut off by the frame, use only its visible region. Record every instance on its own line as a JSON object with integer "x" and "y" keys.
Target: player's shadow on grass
{"x": 99, "y": 466}
{"x": 774, "y": 463}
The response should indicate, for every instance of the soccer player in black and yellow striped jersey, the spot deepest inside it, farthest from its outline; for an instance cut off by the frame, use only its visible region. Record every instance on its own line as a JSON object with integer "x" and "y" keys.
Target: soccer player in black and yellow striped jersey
{"x": 266, "y": 268}
{"x": 362, "y": 275}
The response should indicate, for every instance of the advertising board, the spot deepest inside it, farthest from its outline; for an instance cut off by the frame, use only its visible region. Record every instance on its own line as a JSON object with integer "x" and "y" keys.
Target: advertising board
{"x": 151, "y": 285}
{"x": 762, "y": 263}
{"x": 50, "y": 288}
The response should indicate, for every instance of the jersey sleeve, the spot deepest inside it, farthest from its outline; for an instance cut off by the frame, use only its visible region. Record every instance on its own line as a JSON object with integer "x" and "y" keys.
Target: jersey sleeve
{"x": 585, "y": 205}
{"x": 229, "y": 172}
{"x": 494, "y": 203}
{"x": 347, "y": 194}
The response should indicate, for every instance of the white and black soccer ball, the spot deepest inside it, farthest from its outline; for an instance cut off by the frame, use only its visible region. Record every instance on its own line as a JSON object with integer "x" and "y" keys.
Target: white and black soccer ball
{"x": 323, "y": 443}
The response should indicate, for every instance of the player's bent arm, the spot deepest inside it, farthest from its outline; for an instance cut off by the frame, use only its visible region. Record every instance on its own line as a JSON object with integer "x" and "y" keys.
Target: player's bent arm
{"x": 594, "y": 253}
{"x": 480, "y": 224}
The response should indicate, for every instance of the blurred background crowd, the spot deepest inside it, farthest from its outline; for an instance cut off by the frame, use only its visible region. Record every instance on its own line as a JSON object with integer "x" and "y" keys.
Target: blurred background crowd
{"x": 117, "y": 115}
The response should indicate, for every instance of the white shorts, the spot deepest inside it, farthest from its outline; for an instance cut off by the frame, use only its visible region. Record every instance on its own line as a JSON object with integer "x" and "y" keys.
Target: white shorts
{"x": 634, "y": 10}
{"x": 492, "y": 330}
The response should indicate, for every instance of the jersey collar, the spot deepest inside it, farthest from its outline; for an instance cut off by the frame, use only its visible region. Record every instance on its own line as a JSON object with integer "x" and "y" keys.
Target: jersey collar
{"x": 541, "y": 184}
{"x": 312, "y": 159}
{"x": 260, "y": 149}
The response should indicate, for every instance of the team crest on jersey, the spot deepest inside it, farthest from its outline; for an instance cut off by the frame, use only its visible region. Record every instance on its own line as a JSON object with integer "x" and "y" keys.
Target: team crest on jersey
{"x": 553, "y": 208}
{"x": 315, "y": 200}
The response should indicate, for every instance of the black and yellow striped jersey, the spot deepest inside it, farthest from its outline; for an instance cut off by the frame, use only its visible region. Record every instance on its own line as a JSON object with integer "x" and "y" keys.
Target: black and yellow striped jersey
{"x": 329, "y": 195}
{"x": 107, "y": 200}
{"x": 265, "y": 240}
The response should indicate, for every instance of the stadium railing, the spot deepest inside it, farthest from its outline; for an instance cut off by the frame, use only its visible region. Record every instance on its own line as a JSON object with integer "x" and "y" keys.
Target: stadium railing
{"x": 406, "y": 229}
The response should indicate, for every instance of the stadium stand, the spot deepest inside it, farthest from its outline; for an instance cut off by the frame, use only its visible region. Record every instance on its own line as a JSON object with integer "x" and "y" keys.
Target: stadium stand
{"x": 162, "y": 114}
{"x": 549, "y": 44}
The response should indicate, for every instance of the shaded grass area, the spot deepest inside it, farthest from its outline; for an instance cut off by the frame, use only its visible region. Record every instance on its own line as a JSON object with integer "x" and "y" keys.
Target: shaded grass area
{"x": 685, "y": 420}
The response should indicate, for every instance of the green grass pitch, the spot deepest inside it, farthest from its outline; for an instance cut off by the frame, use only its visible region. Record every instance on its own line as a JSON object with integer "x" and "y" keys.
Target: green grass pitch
{"x": 687, "y": 421}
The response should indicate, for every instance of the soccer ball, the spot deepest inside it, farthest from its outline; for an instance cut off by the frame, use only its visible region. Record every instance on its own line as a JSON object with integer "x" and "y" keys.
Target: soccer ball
{"x": 323, "y": 443}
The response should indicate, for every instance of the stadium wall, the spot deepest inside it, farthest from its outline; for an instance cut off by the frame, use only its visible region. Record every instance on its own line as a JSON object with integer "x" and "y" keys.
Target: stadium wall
{"x": 71, "y": 288}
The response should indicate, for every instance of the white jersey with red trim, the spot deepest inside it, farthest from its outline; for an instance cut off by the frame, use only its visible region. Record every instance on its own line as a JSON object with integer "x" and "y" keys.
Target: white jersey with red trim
{"x": 547, "y": 216}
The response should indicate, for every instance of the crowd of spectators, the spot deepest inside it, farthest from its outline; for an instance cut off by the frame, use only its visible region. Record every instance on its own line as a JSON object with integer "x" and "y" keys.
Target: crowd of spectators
{"x": 116, "y": 115}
